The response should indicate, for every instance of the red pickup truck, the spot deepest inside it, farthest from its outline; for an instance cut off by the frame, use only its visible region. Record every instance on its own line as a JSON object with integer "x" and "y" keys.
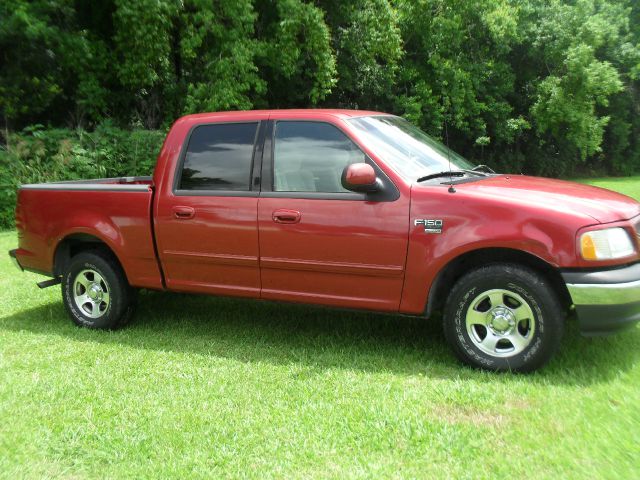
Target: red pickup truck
{"x": 348, "y": 209}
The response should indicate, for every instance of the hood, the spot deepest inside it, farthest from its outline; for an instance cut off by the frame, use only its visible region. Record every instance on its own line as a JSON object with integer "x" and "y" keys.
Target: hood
{"x": 602, "y": 205}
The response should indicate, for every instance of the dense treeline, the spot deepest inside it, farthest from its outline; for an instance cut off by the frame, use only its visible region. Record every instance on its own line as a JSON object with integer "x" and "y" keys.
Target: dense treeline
{"x": 539, "y": 86}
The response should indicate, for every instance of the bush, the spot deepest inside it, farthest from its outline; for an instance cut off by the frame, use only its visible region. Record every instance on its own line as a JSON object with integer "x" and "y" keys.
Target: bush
{"x": 45, "y": 155}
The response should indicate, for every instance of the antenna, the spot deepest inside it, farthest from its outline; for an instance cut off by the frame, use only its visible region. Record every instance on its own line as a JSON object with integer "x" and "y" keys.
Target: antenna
{"x": 452, "y": 189}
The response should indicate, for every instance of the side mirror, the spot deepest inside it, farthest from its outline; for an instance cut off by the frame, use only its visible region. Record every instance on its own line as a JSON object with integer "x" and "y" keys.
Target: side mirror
{"x": 360, "y": 177}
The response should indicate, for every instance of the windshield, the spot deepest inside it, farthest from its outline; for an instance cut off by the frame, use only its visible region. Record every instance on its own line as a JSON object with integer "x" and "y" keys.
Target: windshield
{"x": 406, "y": 148}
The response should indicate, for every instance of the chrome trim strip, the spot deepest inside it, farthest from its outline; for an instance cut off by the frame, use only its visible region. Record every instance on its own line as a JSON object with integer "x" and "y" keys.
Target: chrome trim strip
{"x": 605, "y": 293}
{"x": 85, "y": 187}
{"x": 109, "y": 180}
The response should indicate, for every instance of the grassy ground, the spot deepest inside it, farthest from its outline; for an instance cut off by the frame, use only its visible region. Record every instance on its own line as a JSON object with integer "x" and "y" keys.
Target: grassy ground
{"x": 627, "y": 185}
{"x": 214, "y": 388}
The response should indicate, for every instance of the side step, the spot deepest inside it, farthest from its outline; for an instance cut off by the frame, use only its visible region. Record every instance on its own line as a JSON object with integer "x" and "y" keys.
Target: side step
{"x": 50, "y": 283}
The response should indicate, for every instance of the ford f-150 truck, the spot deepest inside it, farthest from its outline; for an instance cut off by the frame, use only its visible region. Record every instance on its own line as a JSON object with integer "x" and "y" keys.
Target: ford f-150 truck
{"x": 348, "y": 209}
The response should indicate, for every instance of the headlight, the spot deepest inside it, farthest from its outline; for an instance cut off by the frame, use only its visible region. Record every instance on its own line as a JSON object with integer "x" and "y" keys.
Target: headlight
{"x": 607, "y": 244}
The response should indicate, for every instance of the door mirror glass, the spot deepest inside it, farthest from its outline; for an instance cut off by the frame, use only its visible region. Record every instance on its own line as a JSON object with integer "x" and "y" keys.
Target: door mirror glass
{"x": 360, "y": 177}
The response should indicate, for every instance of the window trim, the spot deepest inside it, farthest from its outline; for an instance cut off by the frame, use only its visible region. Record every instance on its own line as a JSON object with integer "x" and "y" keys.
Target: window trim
{"x": 388, "y": 193}
{"x": 252, "y": 192}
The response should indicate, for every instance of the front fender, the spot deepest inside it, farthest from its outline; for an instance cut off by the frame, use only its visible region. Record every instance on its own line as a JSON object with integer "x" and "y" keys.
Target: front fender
{"x": 471, "y": 226}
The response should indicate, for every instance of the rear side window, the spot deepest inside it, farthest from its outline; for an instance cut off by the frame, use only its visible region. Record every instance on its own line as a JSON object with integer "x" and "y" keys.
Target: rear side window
{"x": 310, "y": 157}
{"x": 219, "y": 157}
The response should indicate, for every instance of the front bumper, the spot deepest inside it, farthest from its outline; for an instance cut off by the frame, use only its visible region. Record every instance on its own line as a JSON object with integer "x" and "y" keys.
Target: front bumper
{"x": 606, "y": 300}
{"x": 12, "y": 254}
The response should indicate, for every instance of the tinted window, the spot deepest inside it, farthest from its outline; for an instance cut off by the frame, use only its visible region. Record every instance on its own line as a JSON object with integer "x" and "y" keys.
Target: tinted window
{"x": 310, "y": 157}
{"x": 219, "y": 157}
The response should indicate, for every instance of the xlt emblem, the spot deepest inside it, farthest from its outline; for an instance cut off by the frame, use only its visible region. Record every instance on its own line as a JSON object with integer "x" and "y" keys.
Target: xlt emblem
{"x": 430, "y": 226}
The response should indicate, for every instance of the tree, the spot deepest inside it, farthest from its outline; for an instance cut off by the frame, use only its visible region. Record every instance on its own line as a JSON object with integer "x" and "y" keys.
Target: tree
{"x": 368, "y": 44}
{"x": 217, "y": 51}
{"x": 296, "y": 61}
{"x": 535, "y": 86}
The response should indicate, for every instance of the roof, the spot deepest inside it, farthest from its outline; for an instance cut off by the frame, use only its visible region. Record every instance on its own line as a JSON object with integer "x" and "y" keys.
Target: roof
{"x": 304, "y": 112}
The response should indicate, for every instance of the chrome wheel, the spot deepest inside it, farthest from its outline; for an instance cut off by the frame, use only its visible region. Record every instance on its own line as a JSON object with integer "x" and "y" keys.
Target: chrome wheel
{"x": 91, "y": 293}
{"x": 500, "y": 323}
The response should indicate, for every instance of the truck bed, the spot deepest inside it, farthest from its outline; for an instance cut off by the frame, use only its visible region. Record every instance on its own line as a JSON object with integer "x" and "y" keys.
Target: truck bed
{"x": 114, "y": 210}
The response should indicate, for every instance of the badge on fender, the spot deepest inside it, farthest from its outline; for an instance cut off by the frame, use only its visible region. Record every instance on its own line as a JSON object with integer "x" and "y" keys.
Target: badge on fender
{"x": 430, "y": 225}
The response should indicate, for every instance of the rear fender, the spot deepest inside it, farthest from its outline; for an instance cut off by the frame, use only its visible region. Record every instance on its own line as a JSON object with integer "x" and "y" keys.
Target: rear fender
{"x": 101, "y": 233}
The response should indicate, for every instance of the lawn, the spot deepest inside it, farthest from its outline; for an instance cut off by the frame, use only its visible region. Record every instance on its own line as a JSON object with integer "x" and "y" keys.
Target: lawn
{"x": 202, "y": 387}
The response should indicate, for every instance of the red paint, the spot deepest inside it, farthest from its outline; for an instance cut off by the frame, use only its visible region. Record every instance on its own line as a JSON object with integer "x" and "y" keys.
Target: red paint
{"x": 360, "y": 174}
{"x": 335, "y": 252}
{"x": 121, "y": 220}
{"x": 344, "y": 253}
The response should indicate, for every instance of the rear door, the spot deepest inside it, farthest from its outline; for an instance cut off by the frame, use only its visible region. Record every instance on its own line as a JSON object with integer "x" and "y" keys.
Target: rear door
{"x": 206, "y": 227}
{"x": 320, "y": 243}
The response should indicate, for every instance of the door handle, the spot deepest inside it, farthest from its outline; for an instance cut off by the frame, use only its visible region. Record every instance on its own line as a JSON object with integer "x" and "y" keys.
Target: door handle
{"x": 286, "y": 216}
{"x": 183, "y": 213}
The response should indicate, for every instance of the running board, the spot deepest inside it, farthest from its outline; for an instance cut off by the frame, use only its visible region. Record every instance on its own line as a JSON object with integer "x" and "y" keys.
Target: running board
{"x": 50, "y": 283}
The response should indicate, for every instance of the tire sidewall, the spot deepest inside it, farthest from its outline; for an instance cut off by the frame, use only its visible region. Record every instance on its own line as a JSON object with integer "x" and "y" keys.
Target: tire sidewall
{"x": 537, "y": 296}
{"x": 115, "y": 309}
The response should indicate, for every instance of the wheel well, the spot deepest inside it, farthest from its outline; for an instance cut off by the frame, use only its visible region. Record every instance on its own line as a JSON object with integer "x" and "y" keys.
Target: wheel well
{"x": 456, "y": 268}
{"x": 74, "y": 244}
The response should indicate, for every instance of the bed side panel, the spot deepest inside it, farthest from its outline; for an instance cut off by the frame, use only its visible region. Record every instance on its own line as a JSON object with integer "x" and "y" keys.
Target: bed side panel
{"x": 119, "y": 217}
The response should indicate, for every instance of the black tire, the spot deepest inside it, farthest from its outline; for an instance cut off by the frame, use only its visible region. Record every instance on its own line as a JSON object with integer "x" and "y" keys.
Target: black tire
{"x": 524, "y": 347}
{"x": 106, "y": 275}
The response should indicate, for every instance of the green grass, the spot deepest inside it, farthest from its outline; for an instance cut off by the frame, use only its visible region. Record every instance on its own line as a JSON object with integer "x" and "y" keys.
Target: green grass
{"x": 202, "y": 387}
{"x": 627, "y": 185}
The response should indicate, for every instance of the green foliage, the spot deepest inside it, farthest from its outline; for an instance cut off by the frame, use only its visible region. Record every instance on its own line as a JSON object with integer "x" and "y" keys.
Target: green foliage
{"x": 536, "y": 86}
{"x": 217, "y": 51}
{"x": 567, "y": 100}
{"x": 452, "y": 70}
{"x": 32, "y": 41}
{"x": 368, "y": 46}
{"x": 38, "y": 155}
{"x": 142, "y": 54}
{"x": 297, "y": 59}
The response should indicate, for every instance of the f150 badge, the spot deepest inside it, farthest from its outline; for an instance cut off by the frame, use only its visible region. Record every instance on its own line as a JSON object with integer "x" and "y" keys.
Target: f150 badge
{"x": 430, "y": 225}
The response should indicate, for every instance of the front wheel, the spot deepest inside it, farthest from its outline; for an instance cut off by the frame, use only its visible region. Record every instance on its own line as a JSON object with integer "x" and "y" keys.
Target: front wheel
{"x": 95, "y": 291}
{"x": 503, "y": 317}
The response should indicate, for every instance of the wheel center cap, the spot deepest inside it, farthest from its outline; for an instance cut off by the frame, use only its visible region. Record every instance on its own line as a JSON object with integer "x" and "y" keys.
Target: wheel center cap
{"x": 501, "y": 320}
{"x": 94, "y": 292}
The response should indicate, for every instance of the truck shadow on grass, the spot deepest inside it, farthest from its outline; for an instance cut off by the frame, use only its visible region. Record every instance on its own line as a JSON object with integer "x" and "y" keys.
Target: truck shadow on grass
{"x": 254, "y": 331}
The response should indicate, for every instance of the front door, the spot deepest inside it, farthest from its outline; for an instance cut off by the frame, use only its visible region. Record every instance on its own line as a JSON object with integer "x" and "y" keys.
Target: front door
{"x": 206, "y": 227}
{"x": 320, "y": 243}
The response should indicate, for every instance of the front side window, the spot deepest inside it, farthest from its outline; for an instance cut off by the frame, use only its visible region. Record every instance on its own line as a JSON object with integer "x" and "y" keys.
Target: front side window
{"x": 219, "y": 157}
{"x": 310, "y": 157}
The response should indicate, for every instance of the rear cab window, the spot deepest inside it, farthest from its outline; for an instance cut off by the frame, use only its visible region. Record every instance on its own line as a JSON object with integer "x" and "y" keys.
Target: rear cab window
{"x": 218, "y": 158}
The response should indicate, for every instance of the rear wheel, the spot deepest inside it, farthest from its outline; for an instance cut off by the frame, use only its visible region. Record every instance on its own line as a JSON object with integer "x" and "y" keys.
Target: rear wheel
{"x": 503, "y": 317}
{"x": 95, "y": 291}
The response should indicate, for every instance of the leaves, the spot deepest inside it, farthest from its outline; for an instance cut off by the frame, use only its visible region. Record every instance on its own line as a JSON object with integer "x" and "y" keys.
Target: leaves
{"x": 536, "y": 86}
{"x": 44, "y": 155}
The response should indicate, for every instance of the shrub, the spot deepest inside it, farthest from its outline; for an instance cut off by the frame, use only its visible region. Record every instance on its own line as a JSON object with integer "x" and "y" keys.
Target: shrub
{"x": 45, "y": 155}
